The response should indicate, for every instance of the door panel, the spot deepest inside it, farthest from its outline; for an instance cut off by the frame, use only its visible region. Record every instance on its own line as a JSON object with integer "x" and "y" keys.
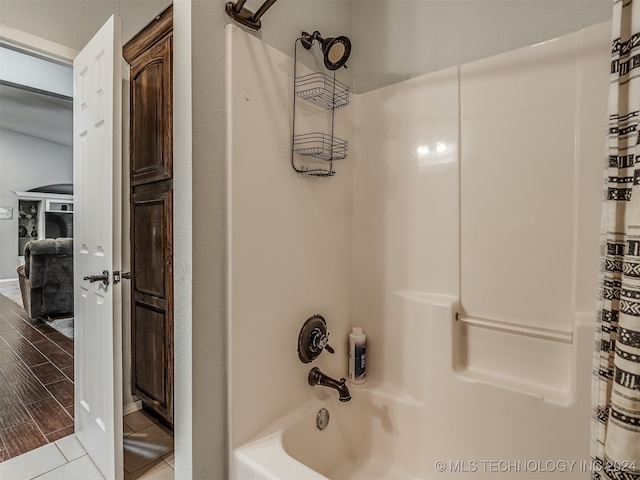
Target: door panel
{"x": 152, "y": 315}
{"x": 97, "y": 127}
{"x": 150, "y": 55}
{"x": 149, "y": 234}
{"x": 149, "y": 332}
{"x": 151, "y": 107}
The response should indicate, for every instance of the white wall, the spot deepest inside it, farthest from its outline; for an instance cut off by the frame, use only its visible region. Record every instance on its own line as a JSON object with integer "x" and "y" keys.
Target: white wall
{"x": 531, "y": 176}
{"x": 406, "y": 204}
{"x": 531, "y": 160}
{"x": 289, "y": 240}
{"x": 25, "y": 163}
{"x": 399, "y": 39}
{"x": 35, "y": 72}
{"x": 505, "y": 219}
{"x": 72, "y": 23}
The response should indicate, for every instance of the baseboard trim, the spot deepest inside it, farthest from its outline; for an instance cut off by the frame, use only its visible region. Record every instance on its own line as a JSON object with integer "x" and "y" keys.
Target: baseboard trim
{"x": 132, "y": 407}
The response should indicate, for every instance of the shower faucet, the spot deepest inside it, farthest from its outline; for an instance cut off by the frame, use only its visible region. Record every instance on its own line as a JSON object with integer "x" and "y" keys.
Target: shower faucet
{"x": 313, "y": 339}
{"x": 316, "y": 377}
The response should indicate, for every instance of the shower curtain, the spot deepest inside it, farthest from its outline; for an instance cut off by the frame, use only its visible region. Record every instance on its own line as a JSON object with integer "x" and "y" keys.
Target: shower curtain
{"x": 615, "y": 437}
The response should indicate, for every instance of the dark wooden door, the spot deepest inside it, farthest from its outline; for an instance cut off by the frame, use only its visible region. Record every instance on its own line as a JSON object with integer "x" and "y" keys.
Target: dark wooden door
{"x": 151, "y": 173}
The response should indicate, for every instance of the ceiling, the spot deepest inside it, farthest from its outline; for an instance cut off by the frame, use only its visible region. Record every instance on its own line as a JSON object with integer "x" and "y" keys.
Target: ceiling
{"x": 36, "y": 115}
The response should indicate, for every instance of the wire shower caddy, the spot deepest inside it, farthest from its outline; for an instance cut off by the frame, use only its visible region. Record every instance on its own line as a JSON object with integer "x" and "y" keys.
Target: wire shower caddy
{"x": 328, "y": 93}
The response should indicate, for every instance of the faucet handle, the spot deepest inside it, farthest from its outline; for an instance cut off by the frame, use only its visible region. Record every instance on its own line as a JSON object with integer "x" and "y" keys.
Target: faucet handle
{"x": 321, "y": 341}
{"x": 313, "y": 339}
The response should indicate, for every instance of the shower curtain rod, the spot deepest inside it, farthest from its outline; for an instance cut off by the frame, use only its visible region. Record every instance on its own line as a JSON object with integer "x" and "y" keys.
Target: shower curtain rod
{"x": 245, "y": 16}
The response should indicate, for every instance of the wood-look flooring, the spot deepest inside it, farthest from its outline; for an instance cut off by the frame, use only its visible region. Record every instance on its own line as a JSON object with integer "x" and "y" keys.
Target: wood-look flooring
{"x": 36, "y": 382}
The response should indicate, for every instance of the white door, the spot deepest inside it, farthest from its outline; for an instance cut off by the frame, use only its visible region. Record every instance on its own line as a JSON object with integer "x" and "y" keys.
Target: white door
{"x": 97, "y": 130}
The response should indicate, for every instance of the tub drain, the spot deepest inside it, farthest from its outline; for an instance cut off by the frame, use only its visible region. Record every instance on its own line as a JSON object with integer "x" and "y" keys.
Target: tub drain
{"x": 322, "y": 419}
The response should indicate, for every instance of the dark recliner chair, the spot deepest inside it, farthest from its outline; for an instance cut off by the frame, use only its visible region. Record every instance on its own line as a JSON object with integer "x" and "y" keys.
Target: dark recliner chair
{"x": 46, "y": 278}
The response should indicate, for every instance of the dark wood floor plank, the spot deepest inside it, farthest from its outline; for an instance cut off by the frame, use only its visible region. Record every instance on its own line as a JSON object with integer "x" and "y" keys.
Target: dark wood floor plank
{"x": 68, "y": 346}
{"x": 11, "y": 337}
{"x": 5, "y": 387}
{"x": 7, "y": 355}
{"x": 12, "y": 412}
{"x": 32, "y": 335}
{"x": 69, "y": 372}
{"x": 5, "y": 326}
{"x": 49, "y": 415}
{"x": 56, "y": 355}
{"x": 52, "y": 437}
{"x": 33, "y": 354}
{"x": 22, "y": 438}
{"x": 29, "y": 354}
{"x": 31, "y": 390}
{"x": 15, "y": 372}
{"x": 48, "y": 373}
{"x": 62, "y": 392}
{"x": 14, "y": 320}
{"x": 56, "y": 337}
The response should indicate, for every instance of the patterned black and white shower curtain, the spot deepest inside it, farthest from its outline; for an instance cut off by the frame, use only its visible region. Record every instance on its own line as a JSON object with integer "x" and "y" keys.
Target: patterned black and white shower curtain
{"x": 615, "y": 437}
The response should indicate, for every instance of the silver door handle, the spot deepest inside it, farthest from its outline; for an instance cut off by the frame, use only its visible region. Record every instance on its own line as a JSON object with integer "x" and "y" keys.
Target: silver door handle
{"x": 104, "y": 278}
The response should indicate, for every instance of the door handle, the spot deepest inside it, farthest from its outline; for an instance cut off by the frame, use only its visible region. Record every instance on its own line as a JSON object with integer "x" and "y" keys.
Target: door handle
{"x": 104, "y": 278}
{"x": 117, "y": 276}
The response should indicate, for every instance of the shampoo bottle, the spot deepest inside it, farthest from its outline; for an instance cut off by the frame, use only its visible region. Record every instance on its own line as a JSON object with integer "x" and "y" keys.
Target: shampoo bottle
{"x": 357, "y": 355}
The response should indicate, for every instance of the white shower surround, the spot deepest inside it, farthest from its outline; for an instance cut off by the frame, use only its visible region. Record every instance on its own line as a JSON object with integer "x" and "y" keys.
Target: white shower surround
{"x": 378, "y": 246}
{"x": 451, "y": 428}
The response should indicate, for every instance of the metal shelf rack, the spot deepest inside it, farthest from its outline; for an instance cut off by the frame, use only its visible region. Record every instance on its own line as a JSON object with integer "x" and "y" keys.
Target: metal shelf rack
{"x": 328, "y": 93}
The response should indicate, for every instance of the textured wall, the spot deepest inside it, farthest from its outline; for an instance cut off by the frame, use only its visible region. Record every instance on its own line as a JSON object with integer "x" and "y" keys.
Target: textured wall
{"x": 399, "y": 39}
{"x": 21, "y": 161}
{"x": 204, "y": 357}
{"x": 72, "y": 23}
{"x": 182, "y": 242}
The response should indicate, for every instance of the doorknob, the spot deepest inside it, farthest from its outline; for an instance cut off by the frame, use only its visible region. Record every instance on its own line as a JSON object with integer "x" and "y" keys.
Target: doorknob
{"x": 117, "y": 276}
{"x": 104, "y": 278}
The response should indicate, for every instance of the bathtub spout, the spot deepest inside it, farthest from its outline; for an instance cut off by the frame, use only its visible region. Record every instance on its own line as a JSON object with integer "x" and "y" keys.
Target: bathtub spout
{"x": 316, "y": 377}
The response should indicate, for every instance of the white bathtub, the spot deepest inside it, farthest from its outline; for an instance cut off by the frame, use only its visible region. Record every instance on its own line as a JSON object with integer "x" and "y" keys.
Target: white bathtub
{"x": 442, "y": 414}
{"x": 360, "y": 442}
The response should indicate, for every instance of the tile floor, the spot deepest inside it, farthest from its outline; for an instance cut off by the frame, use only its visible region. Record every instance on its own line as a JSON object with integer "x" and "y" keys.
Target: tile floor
{"x": 148, "y": 455}
{"x": 36, "y": 411}
{"x": 148, "y": 447}
{"x": 36, "y": 382}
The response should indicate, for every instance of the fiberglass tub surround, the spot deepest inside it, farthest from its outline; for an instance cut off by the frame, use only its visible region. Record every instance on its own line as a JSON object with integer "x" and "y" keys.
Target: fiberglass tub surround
{"x": 461, "y": 232}
{"x": 383, "y": 433}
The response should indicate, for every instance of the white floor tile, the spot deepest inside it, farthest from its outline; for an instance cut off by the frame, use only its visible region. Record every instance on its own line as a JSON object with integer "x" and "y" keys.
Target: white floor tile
{"x": 33, "y": 463}
{"x": 139, "y": 420}
{"x": 161, "y": 471}
{"x": 70, "y": 447}
{"x": 80, "y": 469}
{"x": 146, "y": 446}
